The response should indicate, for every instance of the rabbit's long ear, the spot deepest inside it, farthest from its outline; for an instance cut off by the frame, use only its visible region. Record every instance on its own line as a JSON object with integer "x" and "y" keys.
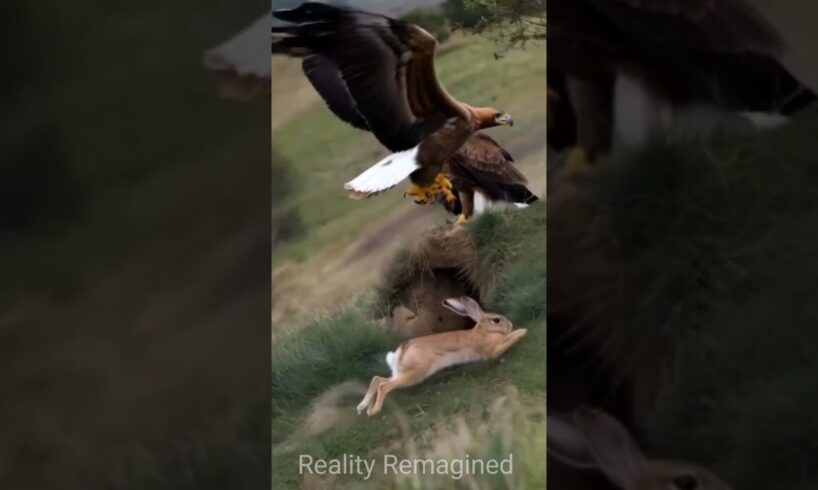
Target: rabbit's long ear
{"x": 615, "y": 452}
{"x": 473, "y": 308}
{"x": 456, "y": 306}
{"x": 567, "y": 443}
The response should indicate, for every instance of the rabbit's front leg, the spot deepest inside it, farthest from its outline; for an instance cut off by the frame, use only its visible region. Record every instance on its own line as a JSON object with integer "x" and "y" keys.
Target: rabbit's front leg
{"x": 507, "y": 342}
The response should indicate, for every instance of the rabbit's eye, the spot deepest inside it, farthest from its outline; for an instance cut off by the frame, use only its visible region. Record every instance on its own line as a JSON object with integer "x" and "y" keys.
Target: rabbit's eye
{"x": 685, "y": 482}
{"x": 495, "y": 320}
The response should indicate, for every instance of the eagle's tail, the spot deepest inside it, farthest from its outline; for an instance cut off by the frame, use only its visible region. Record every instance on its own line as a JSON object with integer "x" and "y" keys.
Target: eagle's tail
{"x": 503, "y": 196}
{"x": 520, "y": 195}
{"x": 384, "y": 175}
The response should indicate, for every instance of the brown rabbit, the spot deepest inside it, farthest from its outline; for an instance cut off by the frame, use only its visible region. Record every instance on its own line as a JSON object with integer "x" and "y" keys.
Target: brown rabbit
{"x": 417, "y": 359}
{"x": 592, "y": 439}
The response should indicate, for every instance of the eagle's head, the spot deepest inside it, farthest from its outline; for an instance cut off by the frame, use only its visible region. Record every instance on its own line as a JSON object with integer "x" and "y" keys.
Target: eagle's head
{"x": 502, "y": 119}
{"x": 487, "y": 117}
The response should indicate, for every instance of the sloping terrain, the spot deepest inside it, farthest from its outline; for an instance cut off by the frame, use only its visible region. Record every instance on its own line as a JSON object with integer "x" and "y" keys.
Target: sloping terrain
{"x": 311, "y": 415}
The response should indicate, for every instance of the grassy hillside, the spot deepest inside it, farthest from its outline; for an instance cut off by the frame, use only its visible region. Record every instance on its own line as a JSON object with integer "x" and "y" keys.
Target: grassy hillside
{"x": 314, "y": 271}
{"x": 327, "y": 272}
{"x": 313, "y": 416}
{"x": 327, "y": 344}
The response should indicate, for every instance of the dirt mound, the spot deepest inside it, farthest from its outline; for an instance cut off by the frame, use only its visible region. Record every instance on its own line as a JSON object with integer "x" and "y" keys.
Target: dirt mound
{"x": 442, "y": 264}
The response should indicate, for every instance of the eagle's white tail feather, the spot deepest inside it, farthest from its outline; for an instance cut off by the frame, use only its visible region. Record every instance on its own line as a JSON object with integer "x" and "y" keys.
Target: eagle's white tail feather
{"x": 483, "y": 204}
{"x": 384, "y": 175}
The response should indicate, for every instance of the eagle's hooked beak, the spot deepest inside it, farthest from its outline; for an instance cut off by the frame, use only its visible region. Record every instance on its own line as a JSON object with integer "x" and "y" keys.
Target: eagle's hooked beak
{"x": 504, "y": 119}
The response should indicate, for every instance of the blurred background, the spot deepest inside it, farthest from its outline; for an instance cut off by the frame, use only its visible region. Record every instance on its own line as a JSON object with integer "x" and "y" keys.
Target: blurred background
{"x": 134, "y": 250}
{"x": 682, "y": 269}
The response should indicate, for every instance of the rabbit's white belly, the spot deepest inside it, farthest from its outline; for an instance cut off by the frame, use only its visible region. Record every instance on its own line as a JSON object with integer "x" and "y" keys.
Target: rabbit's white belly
{"x": 455, "y": 359}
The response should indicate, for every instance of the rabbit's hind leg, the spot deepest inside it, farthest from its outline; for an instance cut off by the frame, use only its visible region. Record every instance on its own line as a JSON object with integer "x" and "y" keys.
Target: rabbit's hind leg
{"x": 370, "y": 393}
{"x": 400, "y": 381}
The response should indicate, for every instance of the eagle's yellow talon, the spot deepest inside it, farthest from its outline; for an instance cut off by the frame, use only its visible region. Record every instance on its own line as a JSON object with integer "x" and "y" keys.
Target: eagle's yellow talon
{"x": 442, "y": 180}
{"x": 422, "y": 195}
{"x": 427, "y": 194}
{"x": 444, "y": 186}
{"x": 461, "y": 219}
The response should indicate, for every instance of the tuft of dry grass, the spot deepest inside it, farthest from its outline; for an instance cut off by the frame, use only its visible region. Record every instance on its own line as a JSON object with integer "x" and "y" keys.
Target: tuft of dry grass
{"x": 510, "y": 427}
{"x": 326, "y": 411}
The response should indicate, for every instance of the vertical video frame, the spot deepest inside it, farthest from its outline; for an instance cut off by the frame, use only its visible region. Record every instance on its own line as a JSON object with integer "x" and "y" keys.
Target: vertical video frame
{"x": 408, "y": 337}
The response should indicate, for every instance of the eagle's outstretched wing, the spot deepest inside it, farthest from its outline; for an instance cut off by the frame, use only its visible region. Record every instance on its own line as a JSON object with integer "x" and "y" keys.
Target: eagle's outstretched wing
{"x": 374, "y": 72}
{"x": 378, "y": 73}
{"x": 327, "y": 81}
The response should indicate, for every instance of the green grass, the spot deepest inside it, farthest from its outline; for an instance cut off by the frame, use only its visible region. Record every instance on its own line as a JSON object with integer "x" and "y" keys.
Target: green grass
{"x": 348, "y": 346}
{"x": 314, "y": 358}
{"x": 325, "y": 152}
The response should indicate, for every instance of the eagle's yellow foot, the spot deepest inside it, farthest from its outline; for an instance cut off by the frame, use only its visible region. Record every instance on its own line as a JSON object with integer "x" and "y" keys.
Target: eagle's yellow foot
{"x": 422, "y": 195}
{"x": 444, "y": 186}
{"x": 461, "y": 219}
{"x": 577, "y": 163}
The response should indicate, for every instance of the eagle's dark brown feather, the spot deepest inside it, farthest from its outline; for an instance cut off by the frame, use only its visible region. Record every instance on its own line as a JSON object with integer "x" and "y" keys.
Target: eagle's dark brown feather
{"x": 482, "y": 155}
{"x": 482, "y": 165}
{"x": 326, "y": 79}
{"x": 378, "y": 73}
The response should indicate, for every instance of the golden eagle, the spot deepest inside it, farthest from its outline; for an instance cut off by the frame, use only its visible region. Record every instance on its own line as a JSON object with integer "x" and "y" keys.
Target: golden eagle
{"x": 377, "y": 74}
{"x": 676, "y": 53}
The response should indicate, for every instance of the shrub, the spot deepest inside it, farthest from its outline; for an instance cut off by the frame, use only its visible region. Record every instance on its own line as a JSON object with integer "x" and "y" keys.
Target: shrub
{"x": 465, "y": 13}
{"x": 431, "y": 20}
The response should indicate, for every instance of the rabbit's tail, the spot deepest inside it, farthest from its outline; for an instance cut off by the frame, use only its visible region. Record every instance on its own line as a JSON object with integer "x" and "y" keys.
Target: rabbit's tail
{"x": 392, "y": 361}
